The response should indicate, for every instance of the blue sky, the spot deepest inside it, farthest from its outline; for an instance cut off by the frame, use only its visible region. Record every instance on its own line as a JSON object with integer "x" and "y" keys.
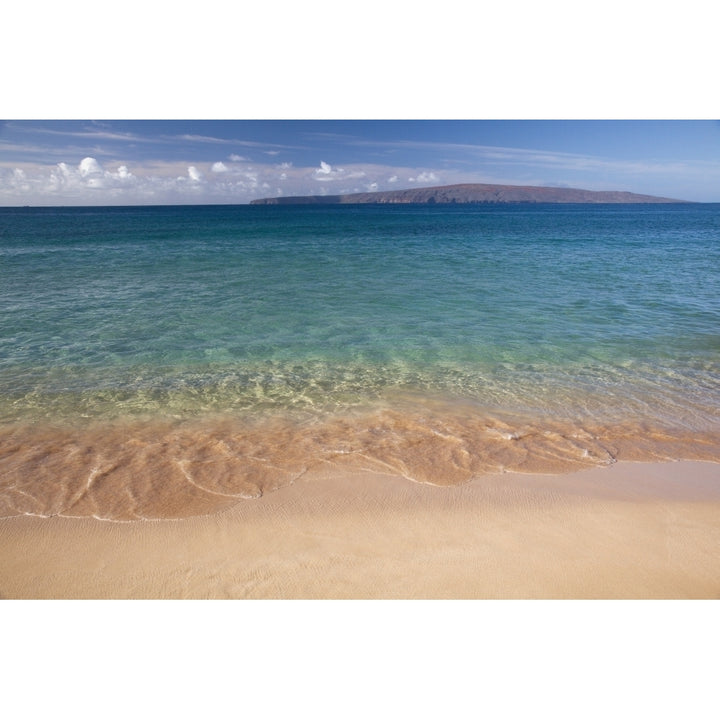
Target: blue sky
{"x": 74, "y": 162}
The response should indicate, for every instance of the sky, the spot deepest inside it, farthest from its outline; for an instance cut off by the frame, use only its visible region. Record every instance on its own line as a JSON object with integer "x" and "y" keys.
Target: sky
{"x": 139, "y": 162}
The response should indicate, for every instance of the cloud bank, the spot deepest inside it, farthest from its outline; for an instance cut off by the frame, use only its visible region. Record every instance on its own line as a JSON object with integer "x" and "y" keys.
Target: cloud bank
{"x": 232, "y": 179}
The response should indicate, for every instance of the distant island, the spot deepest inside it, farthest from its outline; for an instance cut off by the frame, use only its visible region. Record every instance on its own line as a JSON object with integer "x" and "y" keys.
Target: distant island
{"x": 471, "y": 193}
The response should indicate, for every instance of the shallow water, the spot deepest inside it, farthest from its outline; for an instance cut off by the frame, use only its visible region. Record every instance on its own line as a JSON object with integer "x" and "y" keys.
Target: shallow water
{"x": 160, "y": 362}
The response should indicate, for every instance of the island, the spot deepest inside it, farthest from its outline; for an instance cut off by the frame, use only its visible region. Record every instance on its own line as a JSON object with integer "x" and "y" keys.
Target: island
{"x": 471, "y": 193}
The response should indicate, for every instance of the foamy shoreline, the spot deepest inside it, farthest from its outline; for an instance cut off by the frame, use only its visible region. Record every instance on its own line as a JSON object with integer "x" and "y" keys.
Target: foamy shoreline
{"x": 633, "y": 530}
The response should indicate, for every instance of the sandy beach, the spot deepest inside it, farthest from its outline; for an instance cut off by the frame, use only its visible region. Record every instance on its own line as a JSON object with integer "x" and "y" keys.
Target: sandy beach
{"x": 632, "y": 530}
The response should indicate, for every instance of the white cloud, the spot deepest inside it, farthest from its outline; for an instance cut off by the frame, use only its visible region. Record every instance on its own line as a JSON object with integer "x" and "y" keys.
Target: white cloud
{"x": 219, "y": 167}
{"x": 204, "y": 139}
{"x": 327, "y": 172}
{"x": 15, "y": 179}
{"x": 424, "y": 177}
{"x": 90, "y": 166}
{"x": 237, "y": 158}
{"x": 393, "y": 179}
{"x": 64, "y": 181}
{"x": 195, "y": 174}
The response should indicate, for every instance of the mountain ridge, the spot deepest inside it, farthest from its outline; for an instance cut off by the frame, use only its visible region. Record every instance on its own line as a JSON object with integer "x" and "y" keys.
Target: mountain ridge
{"x": 471, "y": 193}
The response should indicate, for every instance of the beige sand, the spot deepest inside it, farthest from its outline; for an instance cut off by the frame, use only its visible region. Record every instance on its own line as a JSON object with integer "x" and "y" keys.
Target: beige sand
{"x": 633, "y": 530}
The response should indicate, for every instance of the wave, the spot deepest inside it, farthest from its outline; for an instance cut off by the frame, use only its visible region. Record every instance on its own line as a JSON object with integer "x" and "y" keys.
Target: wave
{"x": 162, "y": 469}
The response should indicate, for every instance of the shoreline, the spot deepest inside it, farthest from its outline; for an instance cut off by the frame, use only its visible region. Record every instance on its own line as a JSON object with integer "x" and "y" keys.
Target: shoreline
{"x": 637, "y": 530}
{"x": 170, "y": 469}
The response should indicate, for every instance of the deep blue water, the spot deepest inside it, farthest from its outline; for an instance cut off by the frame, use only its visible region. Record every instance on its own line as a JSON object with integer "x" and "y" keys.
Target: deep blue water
{"x": 559, "y": 309}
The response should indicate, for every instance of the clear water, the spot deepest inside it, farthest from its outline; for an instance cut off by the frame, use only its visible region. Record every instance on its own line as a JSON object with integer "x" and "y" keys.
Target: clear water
{"x": 560, "y": 313}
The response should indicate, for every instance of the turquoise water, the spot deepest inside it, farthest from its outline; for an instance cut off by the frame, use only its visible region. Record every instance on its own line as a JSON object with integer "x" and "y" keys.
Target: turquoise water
{"x": 161, "y": 362}
{"x": 185, "y": 309}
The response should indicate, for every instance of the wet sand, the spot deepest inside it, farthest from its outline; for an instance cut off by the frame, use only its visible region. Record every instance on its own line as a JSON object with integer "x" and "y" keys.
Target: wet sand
{"x": 159, "y": 469}
{"x": 632, "y": 530}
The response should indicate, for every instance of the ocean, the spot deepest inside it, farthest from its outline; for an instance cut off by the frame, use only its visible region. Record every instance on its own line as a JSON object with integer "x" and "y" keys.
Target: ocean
{"x": 163, "y": 362}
